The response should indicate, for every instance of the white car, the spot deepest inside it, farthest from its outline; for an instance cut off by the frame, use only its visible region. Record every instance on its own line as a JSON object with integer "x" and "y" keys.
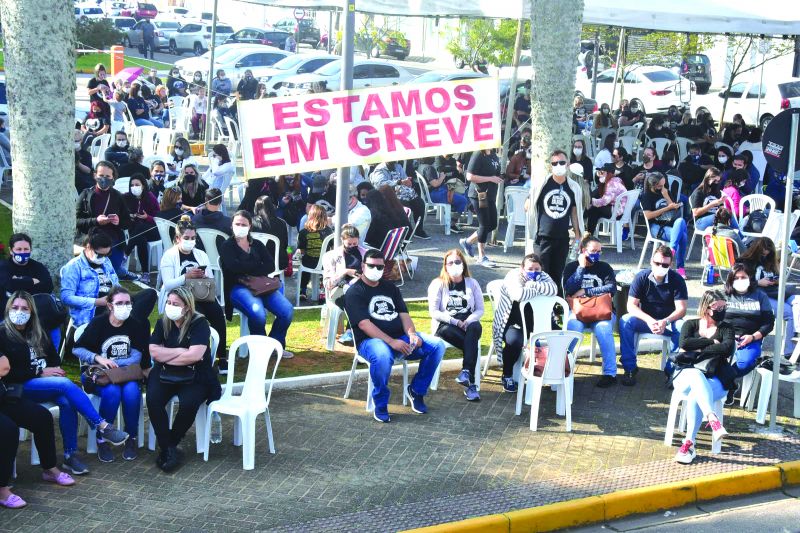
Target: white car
{"x": 234, "y": 61}
{"x": 744, "y": 98}
{"x": 653, "y": 88}
{"x": 366, "y": 73}
{"x": 292, "y": 65}
{"x": 196, "y": 37}
{"x": 176, "y": 13}
{"x": 435, "y": 76}
{"x": 89, "y": 12}
{"x": 190, "y": 65}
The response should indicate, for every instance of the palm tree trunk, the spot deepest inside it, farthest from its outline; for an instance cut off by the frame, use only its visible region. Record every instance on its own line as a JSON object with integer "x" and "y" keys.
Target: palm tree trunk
{"x": 39, "y": 53}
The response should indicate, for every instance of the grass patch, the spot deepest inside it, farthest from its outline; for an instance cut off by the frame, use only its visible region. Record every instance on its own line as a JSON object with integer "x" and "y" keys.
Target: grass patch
{"x": 87, "y": 62}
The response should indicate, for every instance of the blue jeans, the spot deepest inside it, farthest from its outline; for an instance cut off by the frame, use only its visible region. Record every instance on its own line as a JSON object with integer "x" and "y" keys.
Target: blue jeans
{"x": 604, "y": 331}
{"x": 117, "y": 258}
{"x": 256, "y": 307}
{"x": 745, "y": 358}
{"x": 677, "y": 237}
{"x": 459, "y": 203}
{"x": 70, "y": 399}
{"x": 129, "y": 395}
{"x": 381, "y": 358}
{"x": 629, "y": 326}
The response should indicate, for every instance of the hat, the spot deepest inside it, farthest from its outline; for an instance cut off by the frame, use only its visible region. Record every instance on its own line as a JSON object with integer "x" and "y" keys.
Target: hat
{"x": 577, "y": 169}
{"x": 318, "y": 183}
{"x": 608, "y": 167}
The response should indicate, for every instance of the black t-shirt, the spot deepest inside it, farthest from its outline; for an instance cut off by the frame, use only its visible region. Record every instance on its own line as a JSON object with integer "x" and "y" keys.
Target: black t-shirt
{"x": 188, "y": 261}
{"x": 380, "y": 305}
{"x": 101, "y": 337}
{"x": 105, "y": 282}
{"x": 658, "y": 299}
{"x": 457, "y": 302}
{"x": 447, "y": 166}
{"x": 554, "y": 207}
{"x": 199, "y": 333}
{"x": 94, "y": 83}
{"x": 653, "y": 201}
{"x": 481, "y": 164}
{"x": 701, "y": 199}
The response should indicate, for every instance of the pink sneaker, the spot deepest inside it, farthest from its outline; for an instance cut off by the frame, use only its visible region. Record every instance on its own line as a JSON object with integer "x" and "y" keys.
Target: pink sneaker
{"x": 681, "y": 272}
{"x": 686, "y": 453}
{"x": 13, "y": 502}
{"x": 717, "y": 431}
{"x": 63, "y": 479}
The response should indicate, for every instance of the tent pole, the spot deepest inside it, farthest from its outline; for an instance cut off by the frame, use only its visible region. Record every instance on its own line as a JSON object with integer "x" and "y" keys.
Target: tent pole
{"x": 595, "y": 64}
{"x": 209, "y": 94}
{"x": 616, "y": 71}
{"x": 343, "y": 174}
{"x": 777, "y": 349}
{"x": 330, "y": 30}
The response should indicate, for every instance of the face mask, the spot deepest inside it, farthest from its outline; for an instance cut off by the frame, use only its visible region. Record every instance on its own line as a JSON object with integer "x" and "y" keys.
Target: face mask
{"x": 136, "y": 190}
{"x": 634, "y": 110}
{"x": 455, "y": 271}
{"x": 105, "y": 183}
{"x": 593, "y": 258}
{"x": 77, "y": 146}
{"x": 198, "y": 78}
{"x": 660, "y": 271}
{"x": 695, "y": 158}
{"x": 187, "y": 245}
{"x": 351, "y": 249}
{"x": 533, "y": 275}
{"x": 605, "y": 111}
{"x": 616, "y": 144}
{"x": 240, "y": 232}
{"x": 18, "y": 317}
{"x": 723, "y": 159}
{"x": 173, "y": 312}
{"x": 178, "y": 151}
{"x": 718, "y": 315}
{"x": 373, "y": 274}
{"x": 158, "y": 177}
{"x": 99, "y": 261}
{"x": 601, "y": 179}
{"x": 122, "y": 144}
{"x": 122, "y": 312}
{"x": 577, "y": 151}
{"x": 741, "y": 285}
{"x": 560, "y": 170}
{"x": 646, "y": 158}
{"x": 21, "y": 258}
{"x": 189, "y": 178}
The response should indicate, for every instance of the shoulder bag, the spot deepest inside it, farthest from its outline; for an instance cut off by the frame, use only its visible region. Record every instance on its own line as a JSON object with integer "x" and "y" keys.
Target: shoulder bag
{"x": 100, "y": 375}
{"x": 203, "y": 289}
{"x": 589, "y": 309}
{"x": 261, "y": 285}
{"x": 177, "y": 375}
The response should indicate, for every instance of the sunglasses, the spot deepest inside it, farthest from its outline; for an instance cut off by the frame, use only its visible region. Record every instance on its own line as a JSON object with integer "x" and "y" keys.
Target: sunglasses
{"x": 454, "y": 262}
{"x": 99, "y": 255}
{"x": 556, "y": 163}
{"x": 376, "y": 267}
{"x": 122, "y": 304}
{"x": 664, "y": 265}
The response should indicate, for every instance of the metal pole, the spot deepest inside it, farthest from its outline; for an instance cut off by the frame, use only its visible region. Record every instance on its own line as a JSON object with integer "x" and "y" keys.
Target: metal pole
{"x": 760, "y": 86}
{"x": 777, "y": 349}
{"x": 331, "y": 33}
{"x": 596, "y": 63}
{"x": 616, "y": 72}
{"x": 343, "y": 174}
{"x": 209, "y": 93}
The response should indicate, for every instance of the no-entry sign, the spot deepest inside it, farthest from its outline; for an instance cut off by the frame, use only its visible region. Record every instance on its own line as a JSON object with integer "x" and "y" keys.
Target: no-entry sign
{"x": 339, "y": 129}
{"x": 299, "y": 14}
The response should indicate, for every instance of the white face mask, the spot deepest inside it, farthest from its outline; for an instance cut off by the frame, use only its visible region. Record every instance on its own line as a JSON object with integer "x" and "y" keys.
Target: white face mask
{"x": 372, "y": 274}
{"x": 99, "y": 261}
{"x": 741, "y": 285}
{"x": 18, "y": 317}
{"x": 660, "y": 271}
{"x": 122, "y": 312}
{"x": 178, "y": 151}
{"x": 136, "y": 190}
{"x": 240, "y": 232}
{"x": 723, "y": 159}
{"x": 577, "y": 151}
{"x": 455, "y": 271}
{"x": 122, "y": 144}
{"x": 187, "y": 245}
{"x": 601, "y": 179}
{"x": 616, "y": 144}
{"x": 173, "y": 312}
{"x": 560, "y": 170}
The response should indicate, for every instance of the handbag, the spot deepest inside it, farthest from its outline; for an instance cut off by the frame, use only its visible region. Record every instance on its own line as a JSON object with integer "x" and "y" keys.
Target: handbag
{"x": 100, "y": 375}
{"x": 592, "y": 308}
{"x": 177, "y": 375}
{"x": 261, "y": 285}
{"x": 456, "y": 185}
{"x": 203, "y": 289}
{"x": 10, "y": 392}
{"x": 483, "y": 199}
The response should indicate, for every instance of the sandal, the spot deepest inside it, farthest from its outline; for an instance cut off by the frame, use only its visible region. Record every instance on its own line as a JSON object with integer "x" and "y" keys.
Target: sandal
{"x": 63, "y": 479}
{"x": 13, "y": 502}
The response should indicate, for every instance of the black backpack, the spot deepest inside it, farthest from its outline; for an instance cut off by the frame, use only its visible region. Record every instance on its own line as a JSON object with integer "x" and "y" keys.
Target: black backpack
{"x": 756, "y": 222}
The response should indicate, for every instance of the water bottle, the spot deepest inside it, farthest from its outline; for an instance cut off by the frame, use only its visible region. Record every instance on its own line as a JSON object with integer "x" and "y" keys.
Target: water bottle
{"x": 216, "y": 428}
{"x": 708, "y": 275}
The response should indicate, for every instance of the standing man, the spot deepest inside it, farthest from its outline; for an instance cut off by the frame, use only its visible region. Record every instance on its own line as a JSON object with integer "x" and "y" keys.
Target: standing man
{"x": 148, "y": 38}
{"x": 554, "y": 205}
{"x": 383, "y": 330}
{"x": 656, "y": 304}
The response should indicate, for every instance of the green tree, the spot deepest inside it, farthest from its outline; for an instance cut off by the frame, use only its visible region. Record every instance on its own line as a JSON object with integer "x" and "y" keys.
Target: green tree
{"x": 98, "y": 34}
{"x": 485, "y": 40}
{"x": 370, "y": 36}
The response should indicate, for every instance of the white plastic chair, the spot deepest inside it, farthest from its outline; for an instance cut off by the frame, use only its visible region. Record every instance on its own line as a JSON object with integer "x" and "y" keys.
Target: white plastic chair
{"x": 493, "y": 289}
{"x": 122, "y": 184}
{"x": 562, "y": 346}
{"x": 754, "y": 202}
{"x": 515, "y": 213}
{"x": 666, "y": 342}
{"x": 98, "y": 147}
{"x": 164, "y": 138}
{"x": 175, "y": 109}
{"x": 765, "y": 388}
{"x": 253, "y": 400}
{"x": 660, "y": 145}
{"x": 5, "y": 167}
{"x": 234, "y": 139}
{"x": 145, "y": 138}
{"x": 630, "y": 131}
{"x": 315, "y": 271}
{"x": 728, "y": 146}
{"x": 613, "y": 226}
{"x": 679, "y": 399}
{"x": 443, "y": 211}
{"x": 649, "y": 239}
{"x": 267, "y": 239}
{"x": 200, "y": 418}
{"x": 683, "y": 147}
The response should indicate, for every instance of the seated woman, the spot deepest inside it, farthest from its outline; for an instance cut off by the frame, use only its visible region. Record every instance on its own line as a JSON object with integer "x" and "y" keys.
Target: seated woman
{"x": 455, "y": 303}
{"x": 266, "y": 220}
{"x": 609, "y": 187}
{"x": 706, "y": 199}
{"x": 193, "y": 189}
{"x": 180, "y": 156}
{"x": 384, "y": 219}
{"x": 341, "y": 267}
{"x": 665, "y": 218}
{"x": 519, "y": 285}
{"x": 169, "y": 208}
{"x": 143, "y": 206}
{"x": 241, "y": 257}
{"x": 88, "y": 278}
{"x": 220, "y": 170}
{"x": 158, "y": 173}
{"x": 735, "y": 188}
{"x": 140, "y": 110}
{"x": 23, "y": 413}
{"x": 587, "y": 277}
{"x": 702, "y": 371}
{"x": 111, "y": 341}
{"x": 309, "y": 243}
{"x": 580, "y": 155}
{"x": 750, "y": 314}
{"x": 184, "y": 262}
{"x": 725, "y": 226}
{"x": 180, "y": 347}
{"x": 36, "y": 365}
{"x": 291, "y": 197}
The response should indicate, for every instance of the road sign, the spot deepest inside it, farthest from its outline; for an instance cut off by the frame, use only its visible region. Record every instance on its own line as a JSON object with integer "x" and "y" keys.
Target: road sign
{"x": 299, "y": 14}
{"x": 776, "y": 141}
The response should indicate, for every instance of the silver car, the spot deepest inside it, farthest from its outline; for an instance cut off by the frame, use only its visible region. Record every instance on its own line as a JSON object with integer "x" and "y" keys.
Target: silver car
{"x": 165, "y": 31}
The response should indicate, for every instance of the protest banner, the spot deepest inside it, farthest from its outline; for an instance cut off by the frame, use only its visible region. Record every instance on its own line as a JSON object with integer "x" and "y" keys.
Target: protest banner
{"x": 340, "y": 129}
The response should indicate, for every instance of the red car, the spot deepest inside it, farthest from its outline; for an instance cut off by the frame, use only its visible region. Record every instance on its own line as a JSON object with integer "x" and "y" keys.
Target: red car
{"x": 143, "y": 11}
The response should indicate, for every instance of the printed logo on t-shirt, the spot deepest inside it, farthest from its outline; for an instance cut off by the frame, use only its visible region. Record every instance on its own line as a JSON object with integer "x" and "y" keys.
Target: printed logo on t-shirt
{"x": 37, "y": 364}
{"x": 116, "y": 346}
{"x": 456, "y": 302}
{"x": 326, "y": 205}
{"x": 382, "y": 308}
{"x": 744, "y": 305}
{"x": 590, "y": 281}
{"x": 710, "y": 198}
{"x": 186, "y": 265}
{"x": 556, "y": 203}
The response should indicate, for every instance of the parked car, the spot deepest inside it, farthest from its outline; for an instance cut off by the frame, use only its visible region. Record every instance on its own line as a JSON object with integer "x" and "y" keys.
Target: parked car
{"x": 259, "y": 36}
{"x": 123, "y": 24}
{"x": 176, "y": 13}
{"x": 304, "y": 30}
{"x": 394, "y": 44}
{"x": 116, "y": 8}
{"x": 190, "y": 65}
{"x": 292, "y": 65}
{"x": 143, "y": 10}
{"x": 744, "y": 97}
{"x": 89, "y": 12}
{"x": 697, "y": 67}
{"x": 653, "y": 88}
{"x": 254, "y": 57}
{"x": 435, "y": 76}
{"x": 196, "y": 37}
{"x": 165, "y": 32}
{"x": 366, "y": 73}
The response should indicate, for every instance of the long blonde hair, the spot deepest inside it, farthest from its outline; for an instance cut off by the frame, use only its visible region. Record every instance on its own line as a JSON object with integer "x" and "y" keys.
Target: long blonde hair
{"x": 32, "y": 334}
{"x": 443, "y": 275}
{"x": 188, "y": 300}
{"x": 317, "y": 218}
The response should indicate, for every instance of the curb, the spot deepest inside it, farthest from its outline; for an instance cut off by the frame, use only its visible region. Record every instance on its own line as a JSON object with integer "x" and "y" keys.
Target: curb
{"x": 605, "y": 507}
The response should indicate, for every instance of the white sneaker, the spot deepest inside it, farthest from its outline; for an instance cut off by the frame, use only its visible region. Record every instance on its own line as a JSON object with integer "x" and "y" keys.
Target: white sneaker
{"x": 686, "y": 453}
{"x": 287, "y": 354}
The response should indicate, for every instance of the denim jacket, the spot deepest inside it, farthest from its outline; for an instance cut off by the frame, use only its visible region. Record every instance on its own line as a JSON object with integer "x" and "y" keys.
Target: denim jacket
{"x": 80, "y": 285}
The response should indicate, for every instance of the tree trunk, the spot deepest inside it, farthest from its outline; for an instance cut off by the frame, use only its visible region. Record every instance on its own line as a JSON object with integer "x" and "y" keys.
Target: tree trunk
{"x": 40, "y": 77}
{"x": 555, "y": 41}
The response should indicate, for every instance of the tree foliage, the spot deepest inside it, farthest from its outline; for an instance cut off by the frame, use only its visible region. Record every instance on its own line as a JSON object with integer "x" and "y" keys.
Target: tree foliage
{"x": 98, "y": 34}
{"x": 370, "y": 36}
{"x": 479, "y": 40}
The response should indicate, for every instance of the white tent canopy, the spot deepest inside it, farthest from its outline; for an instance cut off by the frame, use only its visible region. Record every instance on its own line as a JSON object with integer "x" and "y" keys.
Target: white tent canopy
{"x": 770, "y": 17}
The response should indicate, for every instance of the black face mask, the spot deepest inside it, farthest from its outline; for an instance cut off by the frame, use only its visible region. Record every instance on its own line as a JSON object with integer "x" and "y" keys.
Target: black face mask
{"x": 189, "y": 178}
{"x": 718, "y": 315}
